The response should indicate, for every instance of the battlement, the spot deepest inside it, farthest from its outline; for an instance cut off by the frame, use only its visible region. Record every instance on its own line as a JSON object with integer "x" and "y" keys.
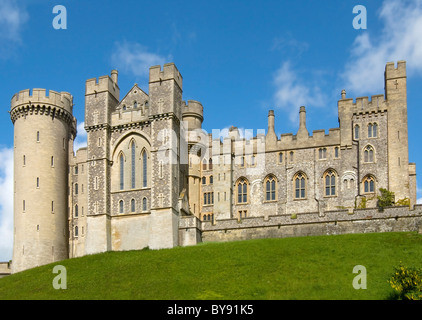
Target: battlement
{"x": 103, "y": 84}
{"x": 169, "y": 72}
{"x": 363, "y": 104}
{"x": 318, "y": 138}
{"x": 193, "y": 113}
{"x": 39, "y": 96}
{"x": 193, "y": 108}
{"x": 392, "y": 72}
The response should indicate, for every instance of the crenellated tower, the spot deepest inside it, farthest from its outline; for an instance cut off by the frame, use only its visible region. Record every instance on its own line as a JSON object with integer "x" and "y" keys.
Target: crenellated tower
{"x": 101, "y": 98}
{"x": 165, "y": 94}
{"x": 44, "y": 130}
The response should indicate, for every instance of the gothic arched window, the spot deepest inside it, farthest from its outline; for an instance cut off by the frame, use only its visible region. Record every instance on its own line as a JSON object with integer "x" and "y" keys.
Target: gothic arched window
{"x": 242, "y": 190}
{"x": 330, "y": 183}
{"x": 122, "y": 169}
{"x": 144, "y": 168}
{"x": 299, "y": 181}
{"x": 270, "y": 183}
{"x": 368, "y": 184}
{"x": 356, "y": 132}
{"x": 133, "y": 156}
{"x": 368, "y": 154}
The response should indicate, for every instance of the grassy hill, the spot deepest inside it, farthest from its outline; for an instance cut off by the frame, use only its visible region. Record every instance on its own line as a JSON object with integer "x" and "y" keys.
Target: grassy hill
{"x": 291, "y": 268}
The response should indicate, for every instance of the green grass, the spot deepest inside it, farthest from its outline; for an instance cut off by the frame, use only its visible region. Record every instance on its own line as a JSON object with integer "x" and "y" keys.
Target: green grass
{"x": 291, "y": 268}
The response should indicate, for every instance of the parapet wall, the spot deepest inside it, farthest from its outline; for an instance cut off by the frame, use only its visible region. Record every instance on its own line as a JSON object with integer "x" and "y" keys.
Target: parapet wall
{"x": 5, "y": 269}
{"x": 392, "y": 219}
{"x": 103, "y": 84}
{"x": 169, "y": 72}
{"x": 39, "y": 96}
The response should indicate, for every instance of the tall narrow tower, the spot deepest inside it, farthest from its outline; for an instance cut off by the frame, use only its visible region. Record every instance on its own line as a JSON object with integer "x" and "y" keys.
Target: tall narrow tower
{"x": 44, "y": 130}
{"x": 398, "y": 150}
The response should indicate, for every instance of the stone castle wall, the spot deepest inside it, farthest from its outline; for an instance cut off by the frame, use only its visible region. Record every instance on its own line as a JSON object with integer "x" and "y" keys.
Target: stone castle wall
{"x": 392, "y": 219}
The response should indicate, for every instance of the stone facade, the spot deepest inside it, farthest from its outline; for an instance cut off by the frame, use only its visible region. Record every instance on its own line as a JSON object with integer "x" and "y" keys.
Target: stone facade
{"x": 150, "y": 176}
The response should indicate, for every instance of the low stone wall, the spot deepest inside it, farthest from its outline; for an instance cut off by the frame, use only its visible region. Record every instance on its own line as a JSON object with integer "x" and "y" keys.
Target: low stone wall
{"x": 5, "y": 269}
{"x": 309, "y": 224}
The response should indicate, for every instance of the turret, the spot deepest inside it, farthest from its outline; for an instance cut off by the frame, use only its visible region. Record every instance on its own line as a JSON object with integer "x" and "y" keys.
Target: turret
{"x": 44, "y": 130}
{"x": 193, "y": 114}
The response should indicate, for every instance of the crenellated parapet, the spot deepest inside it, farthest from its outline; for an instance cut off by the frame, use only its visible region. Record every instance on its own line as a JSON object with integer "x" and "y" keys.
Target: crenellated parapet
{"x": 103, "y": 84}
{"x": 363, "y": 105}
{"x": 55, "y": 104}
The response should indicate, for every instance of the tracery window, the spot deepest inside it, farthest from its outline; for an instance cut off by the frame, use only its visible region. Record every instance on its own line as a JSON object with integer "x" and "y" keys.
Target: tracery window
{"x": 270, "y": 183}
{"x": 368, "y": 154}
{"x": 299, "y": 181}
{"x": 242, "y": 190}
{"x": 330, "y": 183}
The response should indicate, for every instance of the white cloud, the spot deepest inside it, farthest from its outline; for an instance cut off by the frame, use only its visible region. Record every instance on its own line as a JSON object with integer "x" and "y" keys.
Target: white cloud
{"x": 399, "y": 39}
{"x": 135, "y": 58}
{"x": 12, "y": 17}
{"x": 6, "y": 204}
{"x": 81, "y": 137}
{"x": 293, "y": 92}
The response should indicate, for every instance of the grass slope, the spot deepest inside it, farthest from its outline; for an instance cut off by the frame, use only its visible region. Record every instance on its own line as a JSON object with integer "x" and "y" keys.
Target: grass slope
{"x": 291, "y": 268}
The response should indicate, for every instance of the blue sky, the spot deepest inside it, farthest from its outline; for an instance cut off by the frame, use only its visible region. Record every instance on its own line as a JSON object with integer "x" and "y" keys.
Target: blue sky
{"x": 238, "y": 58}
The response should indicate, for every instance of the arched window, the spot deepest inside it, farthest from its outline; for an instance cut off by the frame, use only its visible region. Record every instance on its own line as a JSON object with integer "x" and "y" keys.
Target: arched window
{"x": 76, "y": 211}
{"x": 242, "y": 190}
{"x": 204, "y": 180}
{"x": 374, "y": 130}
{"x": 132, "y": 205}
{"x": 322, "y": 153}
{"x": 368, "y": 184}
{"x": 76, "y": 231}
{"x": 121, "y": 206}
{"x": 330, "y": 183}
{"x": 144, "y": 204}
{"x": 144, "y": 169}
{"x": 356, "y": 132}
{"x": 76, "y": 188}
{"x": 204, "y": 164}
{"x": 133, "y": 154}
{"x": 135, "y": 104}
{"x": 299, "y": 181}
{"x": 280, "y": 157}
{"x": 336, "y": 152}
{"x": 270, "y": 183}
{"x": 210, "y": 164}
{"x": 368, "y": 154}
{"x": 122, "y": 169}
{"x": 370, "y": 130}
{"x": 211, "y": 180}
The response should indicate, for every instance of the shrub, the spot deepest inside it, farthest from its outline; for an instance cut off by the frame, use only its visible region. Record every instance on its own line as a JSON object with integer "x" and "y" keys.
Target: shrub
{"x": 403, "y": 202}
{"x": 362, "y": 204}
{"x": 386, "y": 199}
{"x": 407, "y": 282}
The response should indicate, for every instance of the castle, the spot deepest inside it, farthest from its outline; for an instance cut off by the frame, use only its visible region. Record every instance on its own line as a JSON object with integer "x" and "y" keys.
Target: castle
{"x": 151, "y": 177}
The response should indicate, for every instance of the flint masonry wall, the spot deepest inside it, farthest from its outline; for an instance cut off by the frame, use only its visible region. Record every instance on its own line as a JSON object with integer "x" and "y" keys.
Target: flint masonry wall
{"x": 393, "y": 219}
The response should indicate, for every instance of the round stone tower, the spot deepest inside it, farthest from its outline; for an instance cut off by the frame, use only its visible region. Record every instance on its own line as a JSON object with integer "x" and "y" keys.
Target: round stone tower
{"x": 44, "y": 130}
